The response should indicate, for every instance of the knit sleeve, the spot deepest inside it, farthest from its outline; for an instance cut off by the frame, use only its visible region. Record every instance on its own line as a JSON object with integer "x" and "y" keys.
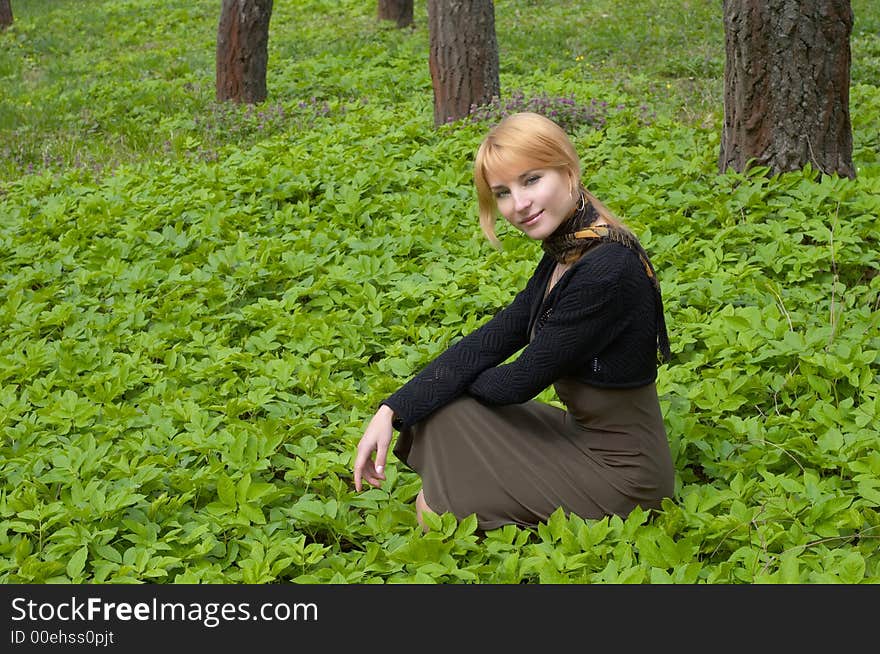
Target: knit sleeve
{"x": 448, "y": 375}
{"x": 590, "y": 311}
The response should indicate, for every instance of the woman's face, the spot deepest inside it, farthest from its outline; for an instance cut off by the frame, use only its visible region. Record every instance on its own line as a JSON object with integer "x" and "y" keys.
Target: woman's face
{"x": 535, "y": 201}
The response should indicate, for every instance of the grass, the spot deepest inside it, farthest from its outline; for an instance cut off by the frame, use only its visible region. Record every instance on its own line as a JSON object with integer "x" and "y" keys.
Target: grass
{"x": 202, "y": 304}
{"x": 142, "y": 84}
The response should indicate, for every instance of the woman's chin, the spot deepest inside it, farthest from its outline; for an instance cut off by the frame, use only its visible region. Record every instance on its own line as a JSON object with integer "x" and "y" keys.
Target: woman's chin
{"x": 537, "y": 233}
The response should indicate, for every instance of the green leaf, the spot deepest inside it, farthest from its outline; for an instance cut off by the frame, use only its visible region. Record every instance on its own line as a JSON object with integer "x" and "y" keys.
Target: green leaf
{"x": 226, "y": 491}
{"x": 852, "y": 568}
{"x": 869, "y": 489}
{"x": 592, "y": 533}
{"x": 433, "y": 521}
{"x": 252, "y": 513}
{"x": 77, "y": 563}
{"x": 242, "y": 487}
{"x": 467, "y": 526}
{"x": 789, "y": 568}
{"x": 558, "y": 524}
{"x": 831, "y": 440}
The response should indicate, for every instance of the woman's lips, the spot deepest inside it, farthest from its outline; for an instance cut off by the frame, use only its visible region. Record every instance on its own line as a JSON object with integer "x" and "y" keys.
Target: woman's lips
{"x": 532, "y": 220}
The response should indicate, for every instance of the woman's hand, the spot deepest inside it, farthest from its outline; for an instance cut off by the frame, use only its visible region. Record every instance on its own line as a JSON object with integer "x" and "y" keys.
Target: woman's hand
{"x": 376, "y": 438}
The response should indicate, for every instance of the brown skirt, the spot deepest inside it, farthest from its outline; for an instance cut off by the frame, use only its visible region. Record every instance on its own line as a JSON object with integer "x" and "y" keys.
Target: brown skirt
{"x": 517, "y": 464}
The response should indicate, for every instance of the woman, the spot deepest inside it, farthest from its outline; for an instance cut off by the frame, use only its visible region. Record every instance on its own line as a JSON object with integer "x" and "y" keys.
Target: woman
{"x": 589, "y": 321}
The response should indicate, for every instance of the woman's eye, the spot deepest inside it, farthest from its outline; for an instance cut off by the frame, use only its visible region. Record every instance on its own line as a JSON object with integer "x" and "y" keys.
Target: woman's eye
{"x": 501, "y": 194}
{"x": 531, "y": 179}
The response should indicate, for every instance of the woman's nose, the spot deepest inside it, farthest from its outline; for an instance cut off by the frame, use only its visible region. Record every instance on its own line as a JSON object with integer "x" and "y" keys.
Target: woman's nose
{"x": 521, "y": 200}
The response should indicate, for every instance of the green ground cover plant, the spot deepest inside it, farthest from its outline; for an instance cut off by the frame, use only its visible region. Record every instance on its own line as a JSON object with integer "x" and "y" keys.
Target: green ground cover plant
{"x": 201, "y": 305}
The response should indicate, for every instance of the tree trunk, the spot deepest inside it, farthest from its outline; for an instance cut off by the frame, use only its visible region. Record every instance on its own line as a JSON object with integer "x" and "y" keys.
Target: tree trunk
{"x": 786, "y": 85}
{"x": 5, "y": 14}
{"x": 463, "y": 56}
{"x": 243, "y": 50}
{"x": 400, "y": 11}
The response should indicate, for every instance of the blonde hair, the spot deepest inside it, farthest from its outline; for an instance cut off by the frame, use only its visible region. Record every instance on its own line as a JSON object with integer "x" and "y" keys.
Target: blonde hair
{"x": 524, "y": 141}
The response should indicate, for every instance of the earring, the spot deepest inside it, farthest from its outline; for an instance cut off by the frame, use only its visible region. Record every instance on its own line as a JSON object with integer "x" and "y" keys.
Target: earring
{"x": 583, "y": 202}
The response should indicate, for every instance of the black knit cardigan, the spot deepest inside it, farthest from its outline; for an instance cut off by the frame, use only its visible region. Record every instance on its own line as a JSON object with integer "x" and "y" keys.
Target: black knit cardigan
{"x": 599, "y": 324}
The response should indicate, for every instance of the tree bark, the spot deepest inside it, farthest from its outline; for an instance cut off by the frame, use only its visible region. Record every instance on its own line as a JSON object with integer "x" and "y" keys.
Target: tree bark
{"x": 243, "y": 50}
{"x": 5, "y": 14}
{"x": 463, "y": 56}
{"x": 786, "y": 85}
{"x": 400, "y": 11}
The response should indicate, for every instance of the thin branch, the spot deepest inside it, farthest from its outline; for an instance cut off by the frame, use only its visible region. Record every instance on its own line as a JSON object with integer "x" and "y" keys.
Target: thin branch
{"x": 813, "y": 157}
{"x": 781, "y": 449}
{"x": 781, "y": 306}
{"x": 834, "y": 279}
{"x": 859, "y": 535}
{"x": 739, "y": 526}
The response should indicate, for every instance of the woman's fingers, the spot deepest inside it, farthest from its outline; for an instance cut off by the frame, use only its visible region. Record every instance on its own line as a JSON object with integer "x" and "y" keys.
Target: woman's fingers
{"x": 381, "y": 454}
{"x": 377, "y": 438}
{"x": 360, "y": 464}
{"x": 365, "y": 469}
{"x": 369, "y": 475}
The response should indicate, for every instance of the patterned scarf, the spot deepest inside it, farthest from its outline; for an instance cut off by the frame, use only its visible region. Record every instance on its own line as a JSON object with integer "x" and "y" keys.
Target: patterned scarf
{"x": 575, "y": 236}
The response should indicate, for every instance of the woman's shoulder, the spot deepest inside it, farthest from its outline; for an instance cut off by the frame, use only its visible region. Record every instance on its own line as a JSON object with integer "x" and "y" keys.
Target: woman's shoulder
{"x": 608, "y": 259}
